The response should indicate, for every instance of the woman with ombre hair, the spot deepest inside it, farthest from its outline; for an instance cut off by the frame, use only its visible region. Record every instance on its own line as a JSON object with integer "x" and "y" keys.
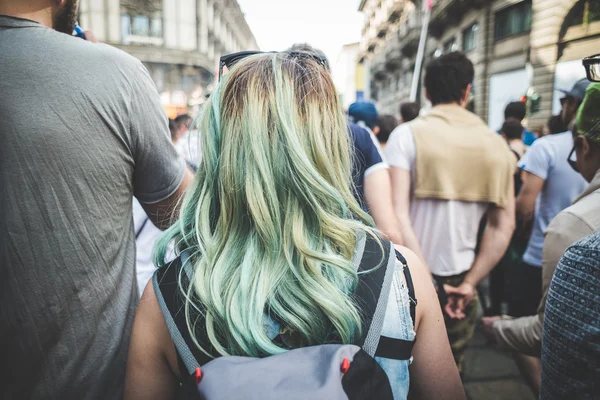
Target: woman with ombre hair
{"x": 266, "y": 237}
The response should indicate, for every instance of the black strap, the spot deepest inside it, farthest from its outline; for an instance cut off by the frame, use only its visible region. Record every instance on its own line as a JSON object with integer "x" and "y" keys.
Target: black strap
{"x": 396, "y": 349}
{"x": 399, "y": 349}
{"x": 375, "y": 258}
{"x": 368, "y": 292}
{"x": 168, "y": 283}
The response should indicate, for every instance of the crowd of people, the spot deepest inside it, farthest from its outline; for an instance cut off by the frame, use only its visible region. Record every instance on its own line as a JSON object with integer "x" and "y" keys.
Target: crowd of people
{"x": 276, "y": 246}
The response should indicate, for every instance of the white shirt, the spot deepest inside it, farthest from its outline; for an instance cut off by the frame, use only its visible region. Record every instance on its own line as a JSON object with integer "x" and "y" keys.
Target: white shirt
{"x": 145, "y": 237}
{"x": 188, "y": 147}
{"x": 446, "y": 229}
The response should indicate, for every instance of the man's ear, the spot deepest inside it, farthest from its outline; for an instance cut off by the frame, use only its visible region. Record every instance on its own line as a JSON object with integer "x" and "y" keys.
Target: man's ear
{"x": 376, "y": 130}
{"x": 585, "y": 145}
{"x": 466, "y": 94}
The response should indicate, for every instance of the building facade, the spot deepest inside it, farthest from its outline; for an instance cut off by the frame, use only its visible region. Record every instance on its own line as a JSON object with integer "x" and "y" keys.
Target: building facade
{"x": 179, "y": 41}
{"x": 520, "y": 49}
{"x": 347, "y": 75}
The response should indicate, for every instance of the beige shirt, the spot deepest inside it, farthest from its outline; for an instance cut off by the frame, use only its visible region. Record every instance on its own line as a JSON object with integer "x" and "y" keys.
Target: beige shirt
{"x": 459, "y": 158}
{"x": 524, "y": 334}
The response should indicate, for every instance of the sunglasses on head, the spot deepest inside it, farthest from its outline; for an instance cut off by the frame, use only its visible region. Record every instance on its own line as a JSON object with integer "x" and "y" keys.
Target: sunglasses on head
{"x": 230, "y": 60}
{"x": 592, "y": 67}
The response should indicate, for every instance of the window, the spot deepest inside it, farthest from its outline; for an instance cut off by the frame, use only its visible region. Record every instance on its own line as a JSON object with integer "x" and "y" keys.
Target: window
{"x": 141, "y": 26}
{"x": 156, "y": 29}
{"x": 470, "y": 37}
{"x": 450, "y": 45}
{"x": 125, "y": 27}
{"x": 513, "y": 20}
{"x": 141, "y": 22}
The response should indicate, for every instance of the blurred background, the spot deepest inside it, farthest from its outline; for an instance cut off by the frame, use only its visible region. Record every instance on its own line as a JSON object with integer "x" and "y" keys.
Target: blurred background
{"x": 522, "y": 49}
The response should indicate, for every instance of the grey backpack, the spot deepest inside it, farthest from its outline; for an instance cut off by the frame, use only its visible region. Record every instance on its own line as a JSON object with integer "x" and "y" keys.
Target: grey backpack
{"x": 328, "y": 371}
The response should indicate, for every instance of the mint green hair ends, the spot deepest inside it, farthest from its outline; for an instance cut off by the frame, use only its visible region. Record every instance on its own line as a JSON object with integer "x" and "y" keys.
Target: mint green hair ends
{"x": 270, "y": 220}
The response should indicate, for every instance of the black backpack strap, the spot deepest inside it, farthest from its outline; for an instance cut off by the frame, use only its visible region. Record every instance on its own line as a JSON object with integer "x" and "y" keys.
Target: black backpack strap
{"x": 375, "y": 275}
{"x": 172, "y": 304}
{"x": 372, "y": 295}
{"x": 400, "y": 349}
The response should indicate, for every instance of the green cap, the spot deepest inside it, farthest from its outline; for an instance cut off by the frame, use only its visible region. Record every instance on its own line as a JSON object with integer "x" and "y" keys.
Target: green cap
{"x": 588, "y": 114}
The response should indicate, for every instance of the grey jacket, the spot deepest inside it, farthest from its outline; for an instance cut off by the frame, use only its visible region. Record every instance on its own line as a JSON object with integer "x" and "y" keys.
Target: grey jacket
{"x": 524, "y": 335}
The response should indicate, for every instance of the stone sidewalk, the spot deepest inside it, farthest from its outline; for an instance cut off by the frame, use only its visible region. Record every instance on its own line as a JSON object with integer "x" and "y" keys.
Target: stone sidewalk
{"x": 491, "y": 375}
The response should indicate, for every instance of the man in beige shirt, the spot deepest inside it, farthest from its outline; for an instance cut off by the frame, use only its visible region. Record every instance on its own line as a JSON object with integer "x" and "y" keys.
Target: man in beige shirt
{"x": 524, "y": 335}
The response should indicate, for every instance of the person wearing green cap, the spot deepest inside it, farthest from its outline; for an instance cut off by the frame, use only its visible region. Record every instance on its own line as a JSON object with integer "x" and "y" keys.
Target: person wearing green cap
{"x": 524, "y": 335}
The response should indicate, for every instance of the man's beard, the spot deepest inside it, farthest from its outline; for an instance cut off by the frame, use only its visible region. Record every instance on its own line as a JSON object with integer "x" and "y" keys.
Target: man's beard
{"x": 64, "y": 20}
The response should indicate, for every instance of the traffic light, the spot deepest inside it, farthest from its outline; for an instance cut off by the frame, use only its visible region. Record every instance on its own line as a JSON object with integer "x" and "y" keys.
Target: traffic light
{"x": 532, "y": 101}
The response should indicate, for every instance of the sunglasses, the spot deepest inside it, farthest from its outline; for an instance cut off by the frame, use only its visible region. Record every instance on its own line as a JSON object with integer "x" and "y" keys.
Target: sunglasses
{"x": 592, "y": 67}
{"x": 230, "y": 60}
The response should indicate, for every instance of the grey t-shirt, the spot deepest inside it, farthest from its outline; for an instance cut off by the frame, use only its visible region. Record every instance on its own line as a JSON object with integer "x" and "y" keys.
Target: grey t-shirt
{"x": 82, "y": 131}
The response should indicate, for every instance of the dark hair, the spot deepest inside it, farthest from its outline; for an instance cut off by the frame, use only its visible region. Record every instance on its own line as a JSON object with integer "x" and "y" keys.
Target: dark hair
{"x": 556, "y": 125}
{"x": 409, "y": 111}
{"x": 516, "y": 109}
{"x": 172, "y": 128}
{"x": 512, "y": 128}
{"x": 447, "y": 78}
{"x": 386, "y": 124}
{"x": 183, "y": 119}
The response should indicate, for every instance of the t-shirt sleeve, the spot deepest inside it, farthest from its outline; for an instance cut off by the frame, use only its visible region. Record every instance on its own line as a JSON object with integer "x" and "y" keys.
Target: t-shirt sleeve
{"x": 158, "y": 170}
{"x": 374, "y": 158}
{"x": 367, "y": 151}
{"x": 400, "y": 150}
{"x": 538, "y": 159}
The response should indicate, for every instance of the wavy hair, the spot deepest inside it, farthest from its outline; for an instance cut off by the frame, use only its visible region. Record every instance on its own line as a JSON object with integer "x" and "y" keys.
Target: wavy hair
{"x": 270, "y": 220}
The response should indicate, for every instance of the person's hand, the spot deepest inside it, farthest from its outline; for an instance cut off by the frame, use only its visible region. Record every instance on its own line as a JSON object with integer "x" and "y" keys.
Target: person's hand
{"x": 488, "y": 327}
{"x": 458, "y": 299}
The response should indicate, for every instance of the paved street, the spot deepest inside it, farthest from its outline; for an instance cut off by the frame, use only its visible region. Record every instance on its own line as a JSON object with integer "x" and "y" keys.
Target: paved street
{"x": 491, "y": 375}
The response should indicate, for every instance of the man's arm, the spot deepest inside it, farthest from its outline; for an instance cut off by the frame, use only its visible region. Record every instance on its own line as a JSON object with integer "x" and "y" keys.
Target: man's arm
{"x": 535, "y": 165}
{"x": 378, "y": 196}
{"x": 401, "y": 203}
{"x": 160, "y": 175}
{"x": 165, "y": 212}
{"x": 525, "y": 204}
{"x": 496, "y": 238}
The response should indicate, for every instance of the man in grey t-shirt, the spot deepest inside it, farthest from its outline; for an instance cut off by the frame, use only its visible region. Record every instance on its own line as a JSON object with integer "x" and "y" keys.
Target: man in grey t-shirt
{"x": 82, "y": 131}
